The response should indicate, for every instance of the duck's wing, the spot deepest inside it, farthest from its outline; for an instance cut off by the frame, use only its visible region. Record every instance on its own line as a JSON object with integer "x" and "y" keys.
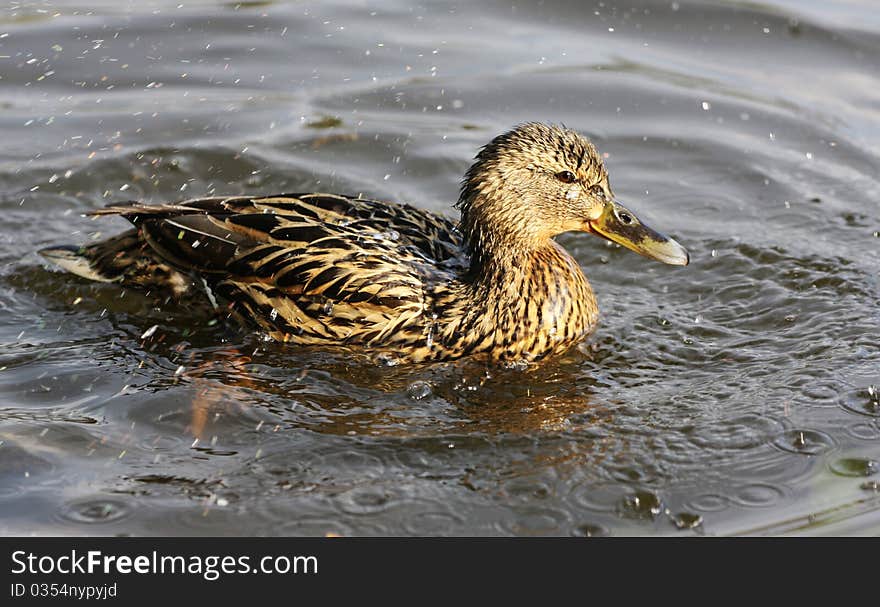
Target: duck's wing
{"x": 431, "y": 235}
{"x": 309, "y": 268}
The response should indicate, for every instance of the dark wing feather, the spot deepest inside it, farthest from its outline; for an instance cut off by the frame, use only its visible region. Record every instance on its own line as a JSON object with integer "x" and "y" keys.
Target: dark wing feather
{"x": 309, "y": 267}
{"x": 435, "y": 237}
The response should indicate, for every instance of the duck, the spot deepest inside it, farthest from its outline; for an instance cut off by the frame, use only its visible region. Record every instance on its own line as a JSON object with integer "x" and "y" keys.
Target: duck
{"x": 341, "y": 271}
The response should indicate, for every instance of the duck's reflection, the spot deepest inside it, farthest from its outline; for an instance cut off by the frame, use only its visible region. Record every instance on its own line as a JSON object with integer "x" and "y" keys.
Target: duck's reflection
{"x": 342, "y": 397}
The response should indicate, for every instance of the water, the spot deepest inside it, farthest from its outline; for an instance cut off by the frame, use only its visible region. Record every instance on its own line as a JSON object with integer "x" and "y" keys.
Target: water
{"x": 734, "y": 396}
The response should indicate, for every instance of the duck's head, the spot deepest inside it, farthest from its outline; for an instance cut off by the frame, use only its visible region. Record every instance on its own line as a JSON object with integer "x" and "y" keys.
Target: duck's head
{"x": 537, "y": 181}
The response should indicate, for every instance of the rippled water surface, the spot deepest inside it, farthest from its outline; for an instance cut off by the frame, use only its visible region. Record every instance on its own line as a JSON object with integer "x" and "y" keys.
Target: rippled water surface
{"x": 737, "y": 395}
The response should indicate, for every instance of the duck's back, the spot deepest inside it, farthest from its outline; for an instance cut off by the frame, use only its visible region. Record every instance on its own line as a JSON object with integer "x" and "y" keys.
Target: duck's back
{"x": 306, "y": 268}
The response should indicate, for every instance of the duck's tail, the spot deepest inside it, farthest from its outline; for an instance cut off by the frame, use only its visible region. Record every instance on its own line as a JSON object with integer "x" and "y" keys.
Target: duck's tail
{"x": 72, "y": 259}
{"x": 125, "y": 259}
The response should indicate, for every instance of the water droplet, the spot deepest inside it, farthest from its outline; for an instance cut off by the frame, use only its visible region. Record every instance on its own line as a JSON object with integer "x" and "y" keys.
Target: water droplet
{"x": 871, "y": 486}
{"x": 641, "y": 505}
{"x": 687, "y": 520}
{"x": 95, "y": 511}
{"x": 710, "y": 502}
{"x": 804, "y": 442}
{"x": 864, "y": 401}
{"x": 864, "y": 430}
{"x": 855, "y": 466}
{"x": 364, "y": 500}
{"x": 273, "y": 314}
{"x": 757, "y": 495}
{"x": 386, "y": 359}
{"x": 328, "y": 308}
{"x": 590, "y": 530}
{"x": 706, "y": 106}
{"x": 419, "y": 390}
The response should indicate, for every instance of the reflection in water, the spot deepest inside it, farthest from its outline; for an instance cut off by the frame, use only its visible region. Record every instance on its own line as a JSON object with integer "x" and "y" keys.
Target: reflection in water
{"x": 473, "y": 397}
{"x": 210, "y": 396}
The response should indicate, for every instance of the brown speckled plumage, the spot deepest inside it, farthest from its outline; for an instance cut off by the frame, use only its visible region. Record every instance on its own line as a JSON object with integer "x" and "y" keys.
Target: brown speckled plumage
{"x": 324, "y": 269}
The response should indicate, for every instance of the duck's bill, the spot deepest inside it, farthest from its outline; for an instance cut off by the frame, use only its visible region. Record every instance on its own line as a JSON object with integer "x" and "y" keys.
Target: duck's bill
{"x": 619, "y": 224}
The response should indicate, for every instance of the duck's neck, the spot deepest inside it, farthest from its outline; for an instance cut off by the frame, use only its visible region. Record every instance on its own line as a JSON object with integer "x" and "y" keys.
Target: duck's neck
{"x": 529, "y": 300}
{"x": 493, "y": 264}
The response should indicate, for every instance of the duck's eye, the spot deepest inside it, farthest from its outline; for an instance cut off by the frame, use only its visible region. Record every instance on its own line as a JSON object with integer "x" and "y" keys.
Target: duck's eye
{"x": 565, "y": 176}
{"x": 625, "y": 217}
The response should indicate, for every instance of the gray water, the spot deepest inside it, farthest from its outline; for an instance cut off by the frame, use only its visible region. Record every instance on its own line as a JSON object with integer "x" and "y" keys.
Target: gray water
{"x": 733, "y": 396}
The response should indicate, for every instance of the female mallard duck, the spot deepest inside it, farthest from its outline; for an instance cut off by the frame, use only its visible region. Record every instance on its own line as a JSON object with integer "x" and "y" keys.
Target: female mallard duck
{"x": 323, "y": 269}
